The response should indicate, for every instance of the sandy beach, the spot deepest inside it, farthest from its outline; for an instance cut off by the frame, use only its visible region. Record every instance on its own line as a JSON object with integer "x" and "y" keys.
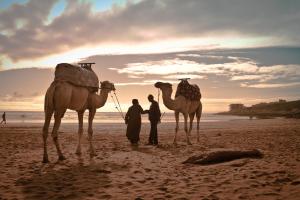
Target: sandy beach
{"x": 147, "y": 172}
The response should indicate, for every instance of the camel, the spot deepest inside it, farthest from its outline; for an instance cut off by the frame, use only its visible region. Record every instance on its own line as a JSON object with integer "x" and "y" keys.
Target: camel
{"x": 181, "y": 105}
{"x": 61, "y": 96}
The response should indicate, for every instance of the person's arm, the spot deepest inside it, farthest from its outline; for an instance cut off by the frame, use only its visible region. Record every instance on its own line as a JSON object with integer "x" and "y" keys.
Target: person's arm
{"x": 158, "y": 113}
{"x": 127, "y": 116}
{"x": 143, "y": 111}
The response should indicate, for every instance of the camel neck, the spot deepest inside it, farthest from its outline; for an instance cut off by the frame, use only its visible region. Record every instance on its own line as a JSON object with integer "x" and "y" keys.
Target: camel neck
{"x": 168, "y": 101}
{"x": 101, "y": 98}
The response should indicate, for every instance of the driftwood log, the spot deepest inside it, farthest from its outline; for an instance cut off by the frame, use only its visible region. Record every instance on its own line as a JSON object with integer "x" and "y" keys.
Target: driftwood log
{"x": 222, "y": 156}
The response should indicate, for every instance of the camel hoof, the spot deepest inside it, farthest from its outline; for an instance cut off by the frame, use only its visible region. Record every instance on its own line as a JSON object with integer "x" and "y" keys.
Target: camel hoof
{"x": 45, "y": 160}
{"x": 61, "y": 158}
{"x": 92, "y": 155}
{"x": 78, "y": 153}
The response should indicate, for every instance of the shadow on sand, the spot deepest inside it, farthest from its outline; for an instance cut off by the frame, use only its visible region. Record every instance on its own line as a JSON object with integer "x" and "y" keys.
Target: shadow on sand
{"x": 60, "y": 181}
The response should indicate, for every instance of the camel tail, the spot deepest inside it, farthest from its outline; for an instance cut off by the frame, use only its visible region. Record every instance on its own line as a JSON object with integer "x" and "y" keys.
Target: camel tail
{"x": 199, "y": 111}
{"x": 49, "y": 103}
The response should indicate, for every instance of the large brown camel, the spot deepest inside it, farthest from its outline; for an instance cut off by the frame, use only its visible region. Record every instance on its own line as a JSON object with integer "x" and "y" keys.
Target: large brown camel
{"x": 61, "y": 96}
{"x": 181, "y": 105}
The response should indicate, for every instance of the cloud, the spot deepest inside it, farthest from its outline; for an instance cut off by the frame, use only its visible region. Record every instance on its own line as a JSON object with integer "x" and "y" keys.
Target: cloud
{"x": 11, "y": 102}
{"x": 135, "y": 77}
{"x": 270, "y": 85}
{"x": 161, "y": 67}
{"x": 24, "y": 33}
{"x": 245, "y": 71}
{"x": 246, "y": 77}
{"x": 180, "y": 76}
{"x": 281, "y": 69}
{"x": 27, "y": 82}
{"x": 181, "y": 67}
{"x": 254, "y": 77}
{"x": 145, "y": 82}
{"x": 199, "y": 56}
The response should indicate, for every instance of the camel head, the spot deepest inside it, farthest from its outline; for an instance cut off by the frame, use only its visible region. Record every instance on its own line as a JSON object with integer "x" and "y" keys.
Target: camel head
{"x": 107, "y": 85}
{"x": 165, "y": 87}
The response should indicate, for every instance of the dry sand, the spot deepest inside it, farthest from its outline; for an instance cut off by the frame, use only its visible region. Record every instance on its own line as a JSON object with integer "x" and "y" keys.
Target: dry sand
{"x": 120, "y": 172}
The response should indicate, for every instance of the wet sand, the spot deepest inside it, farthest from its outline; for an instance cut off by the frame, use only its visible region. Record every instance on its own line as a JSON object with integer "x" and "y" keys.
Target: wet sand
{"x": 121, "y": 172}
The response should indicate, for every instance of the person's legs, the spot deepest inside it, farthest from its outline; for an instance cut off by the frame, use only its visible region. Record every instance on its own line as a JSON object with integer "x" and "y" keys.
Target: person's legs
{"x": 151, "y": 134}
{"x": 134, "y": 142}
{"x": 154, "y": 128}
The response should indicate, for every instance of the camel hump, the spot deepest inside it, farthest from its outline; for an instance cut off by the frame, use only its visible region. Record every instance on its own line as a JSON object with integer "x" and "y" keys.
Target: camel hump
{"x": 78, "y": 76}
{"x": 191, "y": 92}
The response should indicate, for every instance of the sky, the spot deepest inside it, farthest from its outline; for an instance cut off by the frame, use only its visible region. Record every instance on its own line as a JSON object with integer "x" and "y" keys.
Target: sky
{"x": 237, "y": 51}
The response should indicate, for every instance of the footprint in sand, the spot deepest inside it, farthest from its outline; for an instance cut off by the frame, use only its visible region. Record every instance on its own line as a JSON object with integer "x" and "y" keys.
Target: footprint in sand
{"x": 296, "y": 182}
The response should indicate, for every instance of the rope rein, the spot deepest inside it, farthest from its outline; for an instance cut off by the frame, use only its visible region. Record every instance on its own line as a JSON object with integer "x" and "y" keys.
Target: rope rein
{"x": 119, "y": 105}
{"x": 158, "y": 95}
{"x": 119, "y": 109}
{"x": 116, "y": 106}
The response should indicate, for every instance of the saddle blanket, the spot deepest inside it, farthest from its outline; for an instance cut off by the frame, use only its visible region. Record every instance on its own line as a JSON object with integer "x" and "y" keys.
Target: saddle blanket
{"x": 76, "y": 75}
{"x": 191, "y": 92}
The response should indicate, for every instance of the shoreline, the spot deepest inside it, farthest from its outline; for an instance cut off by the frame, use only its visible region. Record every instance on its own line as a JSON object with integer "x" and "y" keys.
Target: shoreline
{"x": 164, "y": 126}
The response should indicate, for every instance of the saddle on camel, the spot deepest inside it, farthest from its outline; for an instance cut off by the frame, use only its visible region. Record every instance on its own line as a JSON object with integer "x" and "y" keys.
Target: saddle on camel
{"x": 82, "y": 75}
{"x": 191, "y": 92}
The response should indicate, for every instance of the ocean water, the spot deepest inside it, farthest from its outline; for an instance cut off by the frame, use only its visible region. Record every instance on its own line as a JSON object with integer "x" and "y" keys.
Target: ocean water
{"x": 107, "y": 117}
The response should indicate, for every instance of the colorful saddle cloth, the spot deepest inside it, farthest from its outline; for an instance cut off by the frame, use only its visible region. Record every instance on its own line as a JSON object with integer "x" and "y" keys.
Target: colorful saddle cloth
{"x": 191, "y": 92}
{"x": 76, "y": 75}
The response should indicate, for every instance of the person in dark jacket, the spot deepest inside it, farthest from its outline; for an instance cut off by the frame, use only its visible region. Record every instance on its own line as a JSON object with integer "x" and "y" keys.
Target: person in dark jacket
{"x": 154, "y": 118}
{"x": 133, "y": 120}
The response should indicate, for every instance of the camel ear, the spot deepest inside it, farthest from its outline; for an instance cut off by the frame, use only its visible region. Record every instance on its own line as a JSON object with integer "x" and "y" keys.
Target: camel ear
{"x": 157, "y": 84}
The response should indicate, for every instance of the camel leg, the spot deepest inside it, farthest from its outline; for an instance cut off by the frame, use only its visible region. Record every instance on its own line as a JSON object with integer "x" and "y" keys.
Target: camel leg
{"x": 80, "y": 131}
{"x": 177, "y": 127}
{"x": 48, "y": 116}
{"x": 191, "y": 115}
{"x": 186, "y": 128}
{"x": 198, "y": 115}
{"x": 92, "y": 113}
{"x": 57, "y": 117}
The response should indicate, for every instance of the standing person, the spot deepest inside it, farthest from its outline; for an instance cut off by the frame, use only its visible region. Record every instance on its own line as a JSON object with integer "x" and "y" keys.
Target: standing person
{"x": 154, "y": 118}
{"x": 3, "y": 118}
{"x": 133, "y": 120}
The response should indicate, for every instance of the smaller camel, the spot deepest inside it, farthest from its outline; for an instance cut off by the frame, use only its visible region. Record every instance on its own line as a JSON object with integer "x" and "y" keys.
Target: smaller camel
{"x": 61, "y": 96}
{"x": 181, "y": 105}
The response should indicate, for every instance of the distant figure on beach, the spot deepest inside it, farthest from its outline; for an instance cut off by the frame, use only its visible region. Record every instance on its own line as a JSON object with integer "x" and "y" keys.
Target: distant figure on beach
{"x": 3, "y": 118}
{"x": 133, "y": 120}
{"x": 154, "y": 118}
